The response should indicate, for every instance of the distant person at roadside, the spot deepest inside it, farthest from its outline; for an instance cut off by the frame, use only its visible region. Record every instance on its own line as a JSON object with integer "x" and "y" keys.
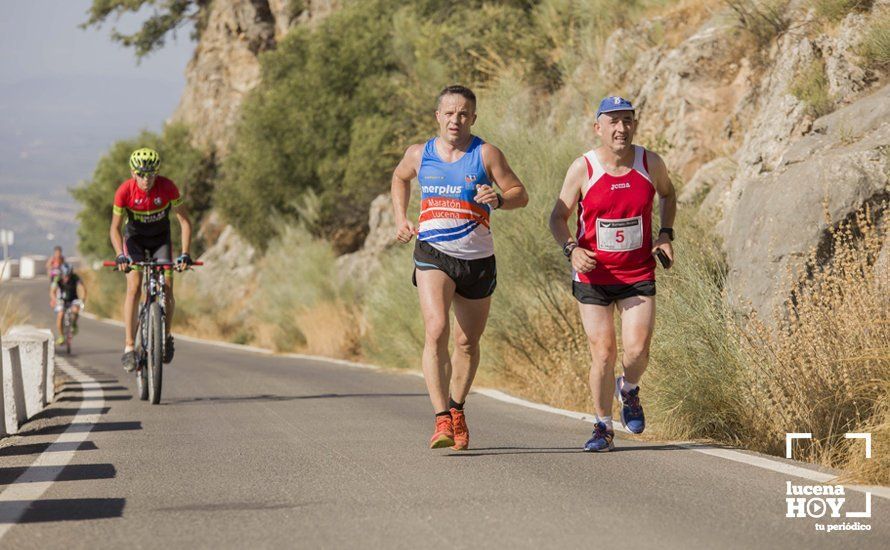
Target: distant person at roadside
{"x": 67, "y": 291}
{"x": 454, "y": 264}
{"x": 54, "y": 263}
{"x": 612, "y": 256}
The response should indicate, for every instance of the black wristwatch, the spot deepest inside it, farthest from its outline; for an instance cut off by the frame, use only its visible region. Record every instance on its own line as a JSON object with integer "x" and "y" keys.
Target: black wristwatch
{"x": 568, "y": 248}
{"x": 500, "y": 201}
{"x": 669, "y": 231}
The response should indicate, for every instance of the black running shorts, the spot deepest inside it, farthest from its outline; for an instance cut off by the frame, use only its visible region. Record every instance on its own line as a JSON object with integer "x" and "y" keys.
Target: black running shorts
{"x": 603, "y": 295}
{"x": 475, "y": 279}
{"x": 141, "y": 247}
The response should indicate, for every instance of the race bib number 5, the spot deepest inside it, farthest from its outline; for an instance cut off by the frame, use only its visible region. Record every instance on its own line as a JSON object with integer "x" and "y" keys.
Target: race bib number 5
{"x": 619, "y": 235}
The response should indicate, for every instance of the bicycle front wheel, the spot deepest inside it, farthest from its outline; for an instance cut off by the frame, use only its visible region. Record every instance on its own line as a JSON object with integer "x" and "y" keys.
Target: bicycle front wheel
{"x": 155, "y": 352}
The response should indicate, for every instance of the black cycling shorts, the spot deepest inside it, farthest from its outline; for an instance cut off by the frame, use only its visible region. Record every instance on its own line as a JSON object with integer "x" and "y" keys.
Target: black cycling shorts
{"x": 475, "y": 279}
{"x": 142, "y": 247}
{"x": 604, "y": 295}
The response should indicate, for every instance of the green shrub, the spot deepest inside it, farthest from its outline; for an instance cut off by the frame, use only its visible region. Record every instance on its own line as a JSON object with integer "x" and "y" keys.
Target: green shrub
{"x": 332, "y": 119}
{"x": 835, "y": 10}
{"x": 811, "y": 87}
{"x": 875, "y": 44}
{"x": 297, "y": 280}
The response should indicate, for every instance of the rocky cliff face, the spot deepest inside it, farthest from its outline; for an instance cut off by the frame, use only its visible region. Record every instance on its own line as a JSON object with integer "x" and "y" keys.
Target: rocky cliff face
{"x": 225, "y": 66}
{"x": 841, "y": 165}
{"x": 720, "y": 112}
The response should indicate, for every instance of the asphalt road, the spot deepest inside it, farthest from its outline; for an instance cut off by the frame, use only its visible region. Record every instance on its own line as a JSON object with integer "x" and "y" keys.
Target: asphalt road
{"x": 252, "y": 450}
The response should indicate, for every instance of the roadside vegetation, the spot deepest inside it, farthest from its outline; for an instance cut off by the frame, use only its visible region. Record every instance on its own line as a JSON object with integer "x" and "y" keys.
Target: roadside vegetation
{"x": 12, "y": 312}
{"x": 875, "y": 44}
{"x": 834, "y": 10}
{"x": 318, "y": 140}
{"x": 811, "y": 87}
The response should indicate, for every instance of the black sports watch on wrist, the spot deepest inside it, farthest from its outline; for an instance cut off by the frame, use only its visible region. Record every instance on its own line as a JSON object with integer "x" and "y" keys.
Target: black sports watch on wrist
{"x": 568, "y": 248}
{"x": 669, "y": 231}
{"x": 500, "y": 201}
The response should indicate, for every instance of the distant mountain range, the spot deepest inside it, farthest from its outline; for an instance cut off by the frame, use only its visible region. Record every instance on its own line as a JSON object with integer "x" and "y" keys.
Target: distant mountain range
{"x": 52, "y": 132}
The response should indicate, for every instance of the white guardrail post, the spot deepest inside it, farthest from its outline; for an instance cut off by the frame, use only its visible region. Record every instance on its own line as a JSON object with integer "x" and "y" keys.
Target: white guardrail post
{"x": 13, "y": 389}
{"x": 34, "y": 354}
{"x": 9, "y": 269}
{"x": 49, "y": 365}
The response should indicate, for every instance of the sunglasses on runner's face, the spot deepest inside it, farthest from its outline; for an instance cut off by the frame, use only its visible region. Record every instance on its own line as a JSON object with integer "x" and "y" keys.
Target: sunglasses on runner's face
{"x": 142, "y": 174}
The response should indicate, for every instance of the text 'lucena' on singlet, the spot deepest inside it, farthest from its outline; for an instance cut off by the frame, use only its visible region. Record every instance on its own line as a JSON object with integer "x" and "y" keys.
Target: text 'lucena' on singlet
{"x": 615, "y": 221}
{"x": 450, "y": 219}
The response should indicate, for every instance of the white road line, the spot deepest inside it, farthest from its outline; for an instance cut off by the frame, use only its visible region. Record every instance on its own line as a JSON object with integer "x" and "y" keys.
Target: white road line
{"x": 756, "y": 460}
{"x": 18, "y": 496}
{"x": 759, "y": 461}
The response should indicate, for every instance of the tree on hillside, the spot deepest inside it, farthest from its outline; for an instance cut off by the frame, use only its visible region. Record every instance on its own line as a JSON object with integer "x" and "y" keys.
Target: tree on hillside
{"x": 328, "y": 122}
{"x": 167, "y": 16}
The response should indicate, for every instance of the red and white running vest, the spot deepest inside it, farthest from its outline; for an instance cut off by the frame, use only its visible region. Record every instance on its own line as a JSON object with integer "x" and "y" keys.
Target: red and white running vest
{"x": 615, "y": 221}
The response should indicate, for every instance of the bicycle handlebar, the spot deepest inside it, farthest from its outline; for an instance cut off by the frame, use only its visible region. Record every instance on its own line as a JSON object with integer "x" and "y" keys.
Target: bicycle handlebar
{"x": 149, "y": 263}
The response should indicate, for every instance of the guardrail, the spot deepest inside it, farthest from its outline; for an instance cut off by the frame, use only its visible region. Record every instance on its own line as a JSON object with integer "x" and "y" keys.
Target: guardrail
{"x": 29, "y": 267}
{"x": 27, "y": 369}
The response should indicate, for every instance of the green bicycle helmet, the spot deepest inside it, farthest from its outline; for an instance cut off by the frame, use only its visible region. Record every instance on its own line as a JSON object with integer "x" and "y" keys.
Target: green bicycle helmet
{"x": 145, "y": 160}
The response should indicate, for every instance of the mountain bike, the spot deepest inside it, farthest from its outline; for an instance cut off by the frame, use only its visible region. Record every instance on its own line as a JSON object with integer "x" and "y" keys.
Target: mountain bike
{"x": 150, "y": 327}
{"x": 67, "y": 324}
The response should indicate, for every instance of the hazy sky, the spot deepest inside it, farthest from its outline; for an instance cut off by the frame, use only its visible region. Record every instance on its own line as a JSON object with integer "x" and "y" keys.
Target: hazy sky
{"x": 66, "y": 94}
{"x": 42, "y": 38}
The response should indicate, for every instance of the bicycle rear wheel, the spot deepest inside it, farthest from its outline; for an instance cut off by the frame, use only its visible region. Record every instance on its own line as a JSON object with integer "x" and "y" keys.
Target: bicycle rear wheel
{"x": 155, "y": 351}
{"x": 68, "y": 332}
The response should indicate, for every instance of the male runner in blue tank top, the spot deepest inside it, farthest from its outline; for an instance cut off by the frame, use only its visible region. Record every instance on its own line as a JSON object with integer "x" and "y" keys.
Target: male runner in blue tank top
{"x": 454, "y": 255}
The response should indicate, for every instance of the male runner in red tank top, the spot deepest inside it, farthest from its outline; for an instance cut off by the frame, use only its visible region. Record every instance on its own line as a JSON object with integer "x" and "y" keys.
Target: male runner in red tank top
{"x": 612, "y": 256}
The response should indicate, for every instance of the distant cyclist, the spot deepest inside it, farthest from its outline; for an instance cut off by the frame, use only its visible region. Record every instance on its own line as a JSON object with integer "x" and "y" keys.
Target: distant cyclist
{"x": 54, "y": 263}
{"x": 454, "y": 264}
{"x": 67, "y": 291}
{"x": 613, "y": 187}
{"x": 146, "y": 200}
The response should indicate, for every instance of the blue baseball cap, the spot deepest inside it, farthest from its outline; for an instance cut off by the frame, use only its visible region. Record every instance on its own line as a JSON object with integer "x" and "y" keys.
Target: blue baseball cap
{"x": 613, "y": 103}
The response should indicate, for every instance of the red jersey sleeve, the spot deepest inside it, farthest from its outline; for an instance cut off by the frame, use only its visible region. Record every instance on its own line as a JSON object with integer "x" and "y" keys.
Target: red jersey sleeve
{"x": 171, "y": 193}
{"x": 121, "y": 199}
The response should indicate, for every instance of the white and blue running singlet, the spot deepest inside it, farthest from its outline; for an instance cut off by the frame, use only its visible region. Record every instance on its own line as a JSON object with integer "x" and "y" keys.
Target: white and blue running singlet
{"x": 450, "y": 220}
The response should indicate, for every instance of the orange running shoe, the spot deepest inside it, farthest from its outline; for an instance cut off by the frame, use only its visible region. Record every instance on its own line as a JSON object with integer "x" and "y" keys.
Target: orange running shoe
{"x": 461, "y": 433}
{"x": 444, "y": 434}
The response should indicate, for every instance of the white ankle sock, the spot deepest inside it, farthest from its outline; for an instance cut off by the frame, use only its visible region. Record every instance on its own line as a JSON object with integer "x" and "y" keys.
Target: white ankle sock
{"x": 628, "y": 387}
{"x": 607, "y": 420}
{"x": 128, "y": 349}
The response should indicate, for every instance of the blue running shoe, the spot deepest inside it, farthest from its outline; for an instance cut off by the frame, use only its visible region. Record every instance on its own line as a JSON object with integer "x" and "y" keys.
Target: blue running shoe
{"x": 632, "y": 416}
{"x": 601, "y": 440}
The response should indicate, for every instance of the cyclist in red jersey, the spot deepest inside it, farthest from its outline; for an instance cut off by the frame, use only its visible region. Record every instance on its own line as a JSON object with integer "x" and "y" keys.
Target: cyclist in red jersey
{"x": 145, "y": 201}
{"x": 612, "y": 255}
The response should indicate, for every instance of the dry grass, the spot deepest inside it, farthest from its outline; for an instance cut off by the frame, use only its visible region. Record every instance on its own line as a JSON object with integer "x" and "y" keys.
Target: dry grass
{"x": 874, "y": 470}
{"x": 106, "y": 289}
{"x": 761, "y": 20}
{"x": 835, "y": 10}
{"x": 811, "y": 87}
{"x": 875, "y": 44}
{"x": 824, "y": 367}
{"x": 331, "y": 329}
{"x": 682, "y": 18}
{"x": 12, "y": 312}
